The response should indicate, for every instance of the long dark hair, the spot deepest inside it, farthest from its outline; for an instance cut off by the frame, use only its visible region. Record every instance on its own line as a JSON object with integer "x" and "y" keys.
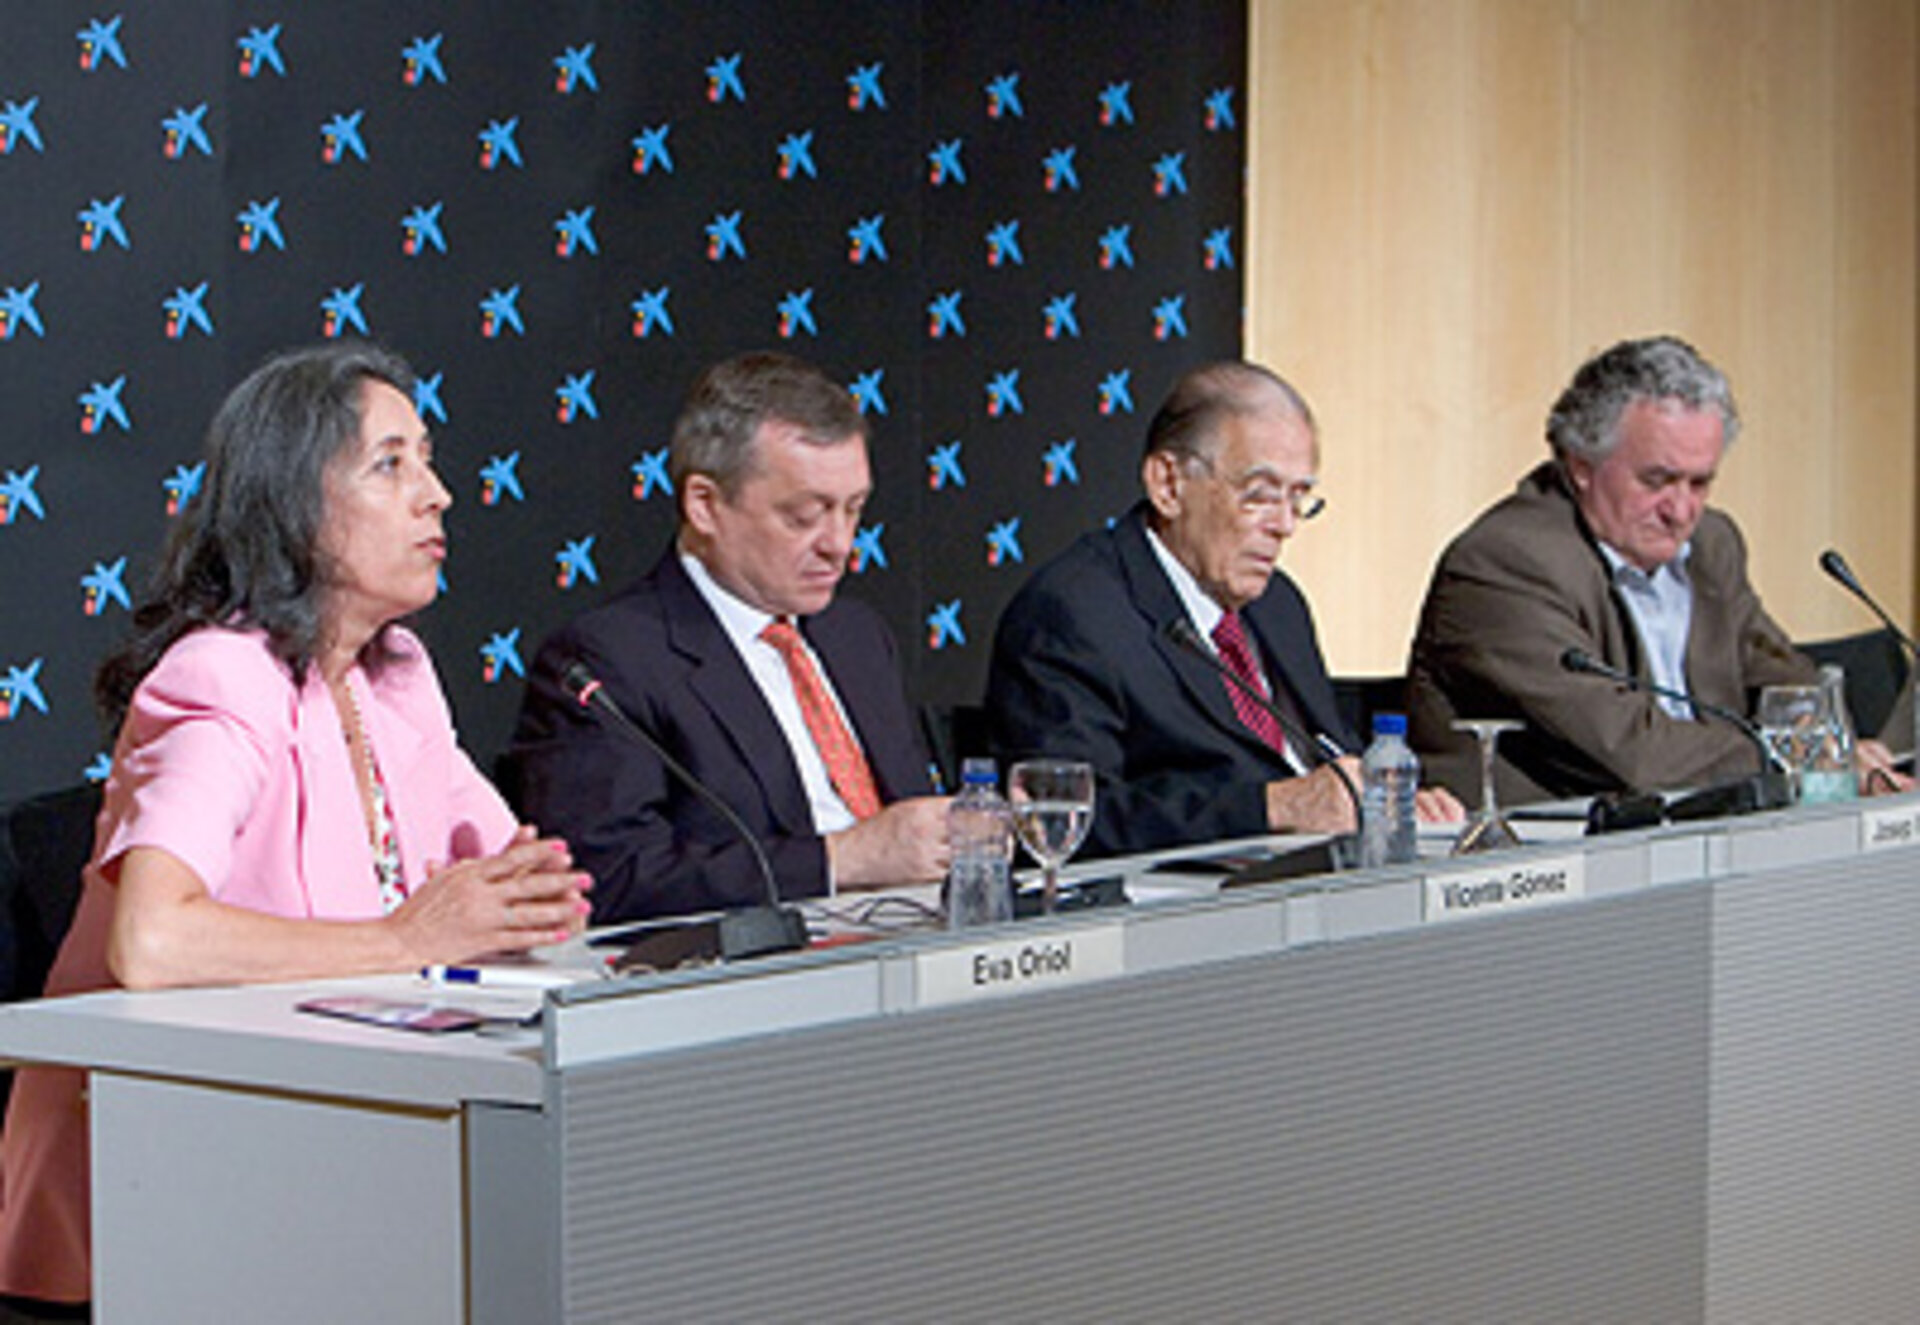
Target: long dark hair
{"x": 246, "y": 550}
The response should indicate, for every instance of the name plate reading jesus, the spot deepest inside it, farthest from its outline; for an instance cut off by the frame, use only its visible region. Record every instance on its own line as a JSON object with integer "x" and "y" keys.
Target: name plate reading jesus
{"x": 1498, "y": 887}
{"x": 1893, "y": 826}
{"x": 1019, "y": 966}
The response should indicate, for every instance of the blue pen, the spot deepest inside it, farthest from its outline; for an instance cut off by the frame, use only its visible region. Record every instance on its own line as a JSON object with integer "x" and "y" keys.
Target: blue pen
{"x": 498, "y": 976}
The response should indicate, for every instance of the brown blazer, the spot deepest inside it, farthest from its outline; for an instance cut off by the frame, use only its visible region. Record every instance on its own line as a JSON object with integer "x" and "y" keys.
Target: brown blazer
{"x": 1524, "y": 583}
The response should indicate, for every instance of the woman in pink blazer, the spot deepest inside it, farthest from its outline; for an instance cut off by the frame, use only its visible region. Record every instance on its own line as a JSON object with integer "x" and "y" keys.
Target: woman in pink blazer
{"x": 287, "y": 799}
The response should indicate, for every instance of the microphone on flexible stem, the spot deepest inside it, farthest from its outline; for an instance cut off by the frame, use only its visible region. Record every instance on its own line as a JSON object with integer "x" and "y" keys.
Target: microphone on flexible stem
{"x": 1836, "y": 565}
{"x": 1770, "y": 789}
{"x": 1317, "y": 748}
{"x": 744, "y": 932}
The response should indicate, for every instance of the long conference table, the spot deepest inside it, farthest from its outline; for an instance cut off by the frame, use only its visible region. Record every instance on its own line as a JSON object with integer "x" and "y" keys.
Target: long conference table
{"x": 1671, "y": 1075}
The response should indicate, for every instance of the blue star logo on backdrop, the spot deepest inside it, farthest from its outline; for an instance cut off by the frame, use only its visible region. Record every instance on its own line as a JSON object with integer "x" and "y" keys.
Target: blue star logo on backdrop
{"x": 500, "y": 311}
{"x": 1003, "y": 245}
{"x": 575, "y": 398}
{"x": 501, "y": 655}
{"x": 1116, "y": 392}
{"x": 573, "y": 233}
{"x": 723, "y": 79}
{"x": 573, "y": 68}
{"x": 17, "y": 495}
{"x": 1003, "y": 98}
{"x": 1219, "y": 114}
{"x": 1116, "y": 105}
{"x": 100, "y": 404}
{"x": 1057, "y": 170}
{"x": 576, "y": 563}
{"x": 650, "y": 150}
{"x": 944, "y": 164}
{"x": 340, "y": 312}
{"x": 864, "y": 240}
{"x": 650, "y": 313}
{"x": 100, "y": 45}
{"x": 99, "y": 769}
{"x": 340, "y": 137}
{"x": 1003, "y": 543}
{"x": 17, "y": 126}
{"x": 864, "y": 90}
{"x": 650, "y": 475}
{"x": 1003, "y": 394}
{"x": 1170, "y": 318}
{"x": 498, "y": 143}
{"x": 103, "y": 586}
{"x": 1170, "y": 175}
{"x": 943, "y": 466}
{"x": 1058, "y": 465}
{"x": 943, "y": 625}
{"x": 723, "y": 237}
{"x": 1219, "y": 249}
{"x": 420, "y": 61}
{"x": 867, "y": 393}
{"x": 185, "y": 131}
{"x": 1116, "y": 247}
{"x": 260, "y": 50}
{"x": 183, "y": 485}
{"x": 796, "y": 315}
{"x": 260, "y": 225}
{"x": 1059, "y": 317}
{"x": 500, "y": 478}
{"x": 426, "y": 398}
{"x": 795, "y": 156}
{"x": 187, "y": 309}
{"x": 867, "y": 551}
{"x": 100, "y": 222}
{"x": 943, "y": 315}
{"x": 17, "y": 311}
{"x": 20, "y": 690}
{"x": 420, "y": 230}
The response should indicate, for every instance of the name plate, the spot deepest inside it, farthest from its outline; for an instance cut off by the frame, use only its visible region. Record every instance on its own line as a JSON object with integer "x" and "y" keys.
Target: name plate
{"x": 1019, "y": 966}
{"x": 1892, "y": 826}
{"x": 1494, "y": 888}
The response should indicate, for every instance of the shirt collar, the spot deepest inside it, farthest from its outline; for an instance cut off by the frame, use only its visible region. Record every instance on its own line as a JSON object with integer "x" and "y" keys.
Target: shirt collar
{"x": 1202, "y": 610}
{"x": 1621, "y": 570}
{"x": 742, "y": 621}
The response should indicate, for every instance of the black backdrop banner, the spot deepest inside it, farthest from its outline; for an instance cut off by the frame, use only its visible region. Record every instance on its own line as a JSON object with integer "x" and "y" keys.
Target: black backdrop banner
{"x": 1007, "y": 225}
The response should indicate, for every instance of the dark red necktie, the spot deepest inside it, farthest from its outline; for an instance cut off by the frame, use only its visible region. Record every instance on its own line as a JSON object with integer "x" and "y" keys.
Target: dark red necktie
{"x": 1230, "y": 638}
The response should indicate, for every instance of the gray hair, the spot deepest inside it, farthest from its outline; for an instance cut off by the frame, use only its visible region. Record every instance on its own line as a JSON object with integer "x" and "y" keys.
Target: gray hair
{"x": 716, "y": 430}
{"x": 1188, "y": 424}
{"x": 1585, "y": 421}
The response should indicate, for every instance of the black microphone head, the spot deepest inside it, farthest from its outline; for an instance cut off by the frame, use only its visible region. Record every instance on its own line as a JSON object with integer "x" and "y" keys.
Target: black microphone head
{"x": 1181, "y": 632}
{"x": 1836, "y": 565}
{"x": 1576, "y": 660}
{"x": 577, "y": 679}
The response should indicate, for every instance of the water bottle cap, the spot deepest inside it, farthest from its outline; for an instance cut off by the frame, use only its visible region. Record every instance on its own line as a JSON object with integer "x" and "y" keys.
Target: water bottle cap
{"x": 979, "y": 773}
{"x": 1389, "y": 724}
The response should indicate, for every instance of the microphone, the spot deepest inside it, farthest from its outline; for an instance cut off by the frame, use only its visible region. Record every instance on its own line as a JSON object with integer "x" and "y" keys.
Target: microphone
{"x": 747, "y": 931}
{"x": 1771, "y": 761}
{"x": 1319, "y": 749}
{"x": 1836, "y": 566}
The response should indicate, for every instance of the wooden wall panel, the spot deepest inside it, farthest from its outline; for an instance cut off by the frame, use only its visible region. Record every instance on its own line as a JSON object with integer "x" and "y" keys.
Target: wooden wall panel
{"x": 1452, "y": 202}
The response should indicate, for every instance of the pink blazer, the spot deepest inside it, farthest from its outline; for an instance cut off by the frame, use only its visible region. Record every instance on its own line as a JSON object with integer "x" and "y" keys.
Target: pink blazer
{"x": 224, "y": 763}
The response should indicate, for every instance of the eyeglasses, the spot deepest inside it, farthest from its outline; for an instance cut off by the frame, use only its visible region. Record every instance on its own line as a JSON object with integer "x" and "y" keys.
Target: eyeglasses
{"x": 1258, "y": 494}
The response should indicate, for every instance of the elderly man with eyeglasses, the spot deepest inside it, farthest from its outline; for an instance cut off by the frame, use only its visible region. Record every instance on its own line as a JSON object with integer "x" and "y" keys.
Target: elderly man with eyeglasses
{"x": 1169, "y": 651}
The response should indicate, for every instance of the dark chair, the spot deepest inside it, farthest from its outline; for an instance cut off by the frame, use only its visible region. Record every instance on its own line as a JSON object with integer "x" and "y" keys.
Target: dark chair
{"x": 1360, "y": 697}
{"x": 954, "y": 734}
{"x": 1876, "y": 668}
{"x": 44, "y": 844}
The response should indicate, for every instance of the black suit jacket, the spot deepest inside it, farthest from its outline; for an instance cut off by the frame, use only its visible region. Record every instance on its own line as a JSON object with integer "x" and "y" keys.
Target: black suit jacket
{"x": 652, "y": 847}
{"x": 1083, "y": 668}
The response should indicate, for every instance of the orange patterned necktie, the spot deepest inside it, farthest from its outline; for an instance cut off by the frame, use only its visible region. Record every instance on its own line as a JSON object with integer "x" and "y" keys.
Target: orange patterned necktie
{"x": 846, "y": 766}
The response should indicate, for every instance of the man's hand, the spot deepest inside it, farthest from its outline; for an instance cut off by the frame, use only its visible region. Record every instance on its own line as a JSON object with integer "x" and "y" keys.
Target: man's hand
{"x": 1315, "y": 803}
{"x": 1878, "y": 776}
{"x": 1437, "y": 805}
{"x": 905, "y": 843}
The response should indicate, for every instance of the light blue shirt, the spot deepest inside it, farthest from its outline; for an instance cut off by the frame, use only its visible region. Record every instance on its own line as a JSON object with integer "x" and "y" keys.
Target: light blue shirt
{"x": 1661, "y": 605}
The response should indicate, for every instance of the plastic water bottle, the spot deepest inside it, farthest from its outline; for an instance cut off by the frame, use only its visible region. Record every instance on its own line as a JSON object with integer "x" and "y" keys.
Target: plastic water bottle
{"x": 1390, "y": 774}
{"x": 980, "y": 831}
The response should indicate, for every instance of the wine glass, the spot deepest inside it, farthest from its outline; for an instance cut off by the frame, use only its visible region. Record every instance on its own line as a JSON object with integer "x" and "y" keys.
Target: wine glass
{"x": 1487, "y": 828}
{"x": 1052, "y": 810}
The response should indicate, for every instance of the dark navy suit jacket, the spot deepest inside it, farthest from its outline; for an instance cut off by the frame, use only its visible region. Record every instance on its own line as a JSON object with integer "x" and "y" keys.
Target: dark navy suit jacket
{"x": 1084, "y": 668}
{"x": 652, "y": 847}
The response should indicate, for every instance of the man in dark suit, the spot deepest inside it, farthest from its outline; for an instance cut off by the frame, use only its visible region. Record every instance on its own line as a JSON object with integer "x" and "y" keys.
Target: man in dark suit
{"x": 1103, "y": 654}
{"x": 735, "y": 653}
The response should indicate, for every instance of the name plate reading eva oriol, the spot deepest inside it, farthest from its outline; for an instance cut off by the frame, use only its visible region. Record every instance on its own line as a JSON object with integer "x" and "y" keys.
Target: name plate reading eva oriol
{"x": 1019, "y": 966}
